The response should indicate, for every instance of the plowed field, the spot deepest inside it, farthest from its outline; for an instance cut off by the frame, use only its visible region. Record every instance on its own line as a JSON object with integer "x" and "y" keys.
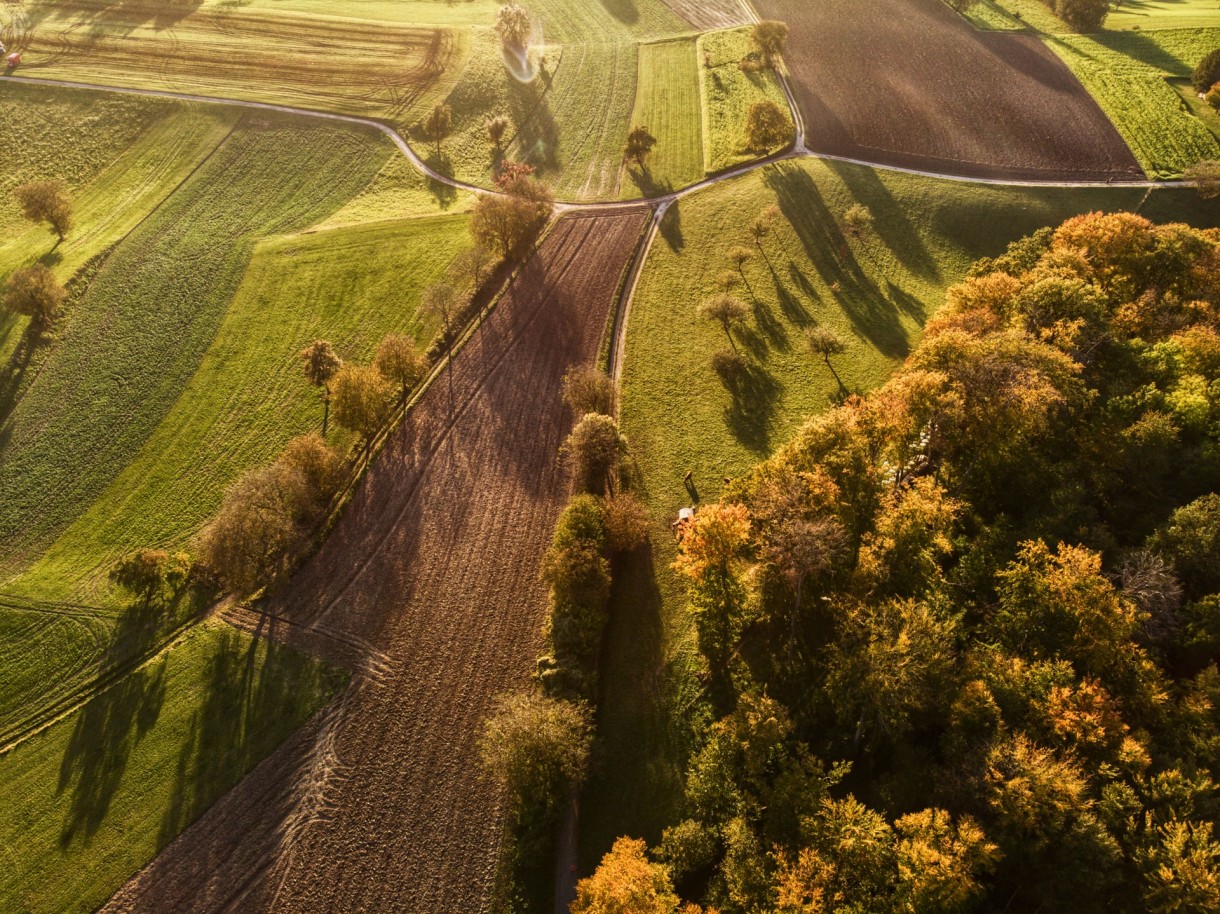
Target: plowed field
{"x": 910, "y": 83}
{"x": 431, "y": 581}
{"x": 710, "y": 14}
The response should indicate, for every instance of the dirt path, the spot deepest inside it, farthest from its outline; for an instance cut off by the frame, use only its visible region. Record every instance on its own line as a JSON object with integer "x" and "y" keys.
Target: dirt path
{"x": 379, "y": 806}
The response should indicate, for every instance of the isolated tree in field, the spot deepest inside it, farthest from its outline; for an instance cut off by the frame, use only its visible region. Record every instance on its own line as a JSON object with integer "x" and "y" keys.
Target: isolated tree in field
{"x": 321, "y": 363}
{"x": 726, "y": 310}
{"x": 858, "y": 220}
{"x": 1207, "y": 71}
{"x": 594, "y": 449}
{"x": 513, "y": 25}
{"x": 1083, "y": 15}
{"x": 34, "y": 292}
{"x": 588, "y": 390}
{"x": 639, "y": 144}
{"x": 739, "y": 256}
{"x": 144, "y": 572}
{"x": 825, "y": 343}
{"x": 767, "y": 127}
{"x": 626, "y": 882}
{"x": 438, "y": 124}
{"x": 538, "y": 748}
{"x": 47, "y": 201}
{"x": 770, "y": 37}
{"x": 400, "y": 362}
{"x": 496, "y": 128}
{"x": 363, "y": 400}
{"x": 1205, "y": 176}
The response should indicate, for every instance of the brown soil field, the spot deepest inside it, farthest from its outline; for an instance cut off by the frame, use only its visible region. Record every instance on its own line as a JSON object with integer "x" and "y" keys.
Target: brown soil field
{"x": 910, "y": 83}
{"x": 706, "y": 15}
{"x": 371, "y": 69}
{"x": 429, "y": 586}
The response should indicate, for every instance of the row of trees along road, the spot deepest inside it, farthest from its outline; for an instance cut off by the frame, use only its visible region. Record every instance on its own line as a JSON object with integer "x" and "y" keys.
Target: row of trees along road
{"x": 961, "y": 636}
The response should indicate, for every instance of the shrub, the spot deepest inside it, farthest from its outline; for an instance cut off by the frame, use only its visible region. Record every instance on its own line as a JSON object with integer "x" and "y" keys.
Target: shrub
{"x": 588, "y": 390}
{"x": 767, "y": 127}
{"x": 1082, "y": 15}
{"x": 1213, "y": 96}
{"x": 1207, "y": 71}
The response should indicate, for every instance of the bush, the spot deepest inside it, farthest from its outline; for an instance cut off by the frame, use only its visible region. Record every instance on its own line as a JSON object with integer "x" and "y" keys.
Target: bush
{"x": 1207, "y": 71}
{"x": 538, "y": 748}
{"x": 767, "y": 127}
{"x": 594, "y": 449}
{"x": 1082, "y": 15}
{"x": 1213, "y": 96}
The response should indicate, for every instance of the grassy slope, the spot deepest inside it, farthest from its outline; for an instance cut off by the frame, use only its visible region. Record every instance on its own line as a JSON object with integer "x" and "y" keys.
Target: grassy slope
{"x": 1164, "y": 14}
{"x": 93, "y": 798}
{"x": 678, "y": 416}
{"x": 728, "y": 94}
{"x": 667, "y": 102}
{"x": 247, "y": 397}
{"x": 130, "y": 347}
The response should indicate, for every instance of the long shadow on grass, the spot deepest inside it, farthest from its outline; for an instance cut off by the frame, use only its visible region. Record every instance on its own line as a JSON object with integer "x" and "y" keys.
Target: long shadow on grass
{"x": 537, "y": 137}
{"x": 110, "y": 725}
{"x": 755, "y": 395}
{"x": 671, "y": 228}
{"x": 870, "y": 312}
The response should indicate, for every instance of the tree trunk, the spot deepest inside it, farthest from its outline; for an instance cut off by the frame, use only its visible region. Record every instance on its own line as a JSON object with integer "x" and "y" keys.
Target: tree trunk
{"x": 325, "y": 410}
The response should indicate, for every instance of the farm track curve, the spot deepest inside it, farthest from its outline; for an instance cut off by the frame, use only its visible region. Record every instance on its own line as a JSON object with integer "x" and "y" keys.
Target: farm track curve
{"x": 432, "y": 574}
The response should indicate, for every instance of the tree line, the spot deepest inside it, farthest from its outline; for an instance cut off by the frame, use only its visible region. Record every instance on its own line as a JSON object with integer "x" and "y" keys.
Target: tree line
{"x": 961, "y": 636}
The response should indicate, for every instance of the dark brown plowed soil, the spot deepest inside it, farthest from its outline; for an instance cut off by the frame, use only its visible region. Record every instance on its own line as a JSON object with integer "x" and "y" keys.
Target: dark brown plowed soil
{"x": 433, "y": 574}
{"x": 911, "y": 83}
{"x": 706, "y": 15}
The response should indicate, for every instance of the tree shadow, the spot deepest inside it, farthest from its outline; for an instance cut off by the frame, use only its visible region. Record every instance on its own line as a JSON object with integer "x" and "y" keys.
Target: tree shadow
{"x": 624, "y": 11}
{"x": 671, "y": 228}
{"x": 440, "y": 163}
{"x": 647, "y": 183}
{"x": 755, "y": 397}
{"x": 126, "y": 706}
{"x": 870, "y": 311}
{"x": 537, "y": 136}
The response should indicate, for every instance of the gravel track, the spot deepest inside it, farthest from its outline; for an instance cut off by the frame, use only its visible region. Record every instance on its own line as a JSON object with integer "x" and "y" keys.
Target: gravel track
{"x": 378, "y": 806}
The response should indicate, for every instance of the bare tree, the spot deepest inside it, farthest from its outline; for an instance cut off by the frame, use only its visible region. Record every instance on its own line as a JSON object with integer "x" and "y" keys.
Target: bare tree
{"x": 727, "y": 311}
{"x": 588, "y": 390}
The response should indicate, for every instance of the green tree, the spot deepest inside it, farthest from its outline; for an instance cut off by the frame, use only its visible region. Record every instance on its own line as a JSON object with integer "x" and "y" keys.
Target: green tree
{"x": 1191, "y": 541}
{"x": 768, "y": 127}
{"x": 1181, "y": 869}
{"x": 47, "y": 201}
{"x": 1205, "y": 176}
{"x": 858, "y": 220}
{"x": 594, "y": 449}
{"x": 639, "y": 144}
{"x": 770, "y": 38}
{"x": 1083, "y": 15}
{"x": 1207, "y": 71}
{"x": 538, "y": 749}
{"x": 321, "y": 364}
{"x": 513, "y": 25}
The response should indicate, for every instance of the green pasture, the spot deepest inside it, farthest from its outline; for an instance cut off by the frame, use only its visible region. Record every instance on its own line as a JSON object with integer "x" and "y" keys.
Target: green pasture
{"x": 131, "y": 344}
{"x": 667, "y": 102}
{"x": 94, "y": 797}
{"x": 728, "y": 94}
{"x": 876, "y": 291}
{"x": 247, "y": 396}
{"x": 1164, "y": 14}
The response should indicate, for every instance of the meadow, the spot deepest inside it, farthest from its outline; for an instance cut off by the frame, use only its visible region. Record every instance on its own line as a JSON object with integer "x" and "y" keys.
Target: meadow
{"x": 874, "y": 290}
{"x": 667, "y": 102}
{"x": 92, "y": 798}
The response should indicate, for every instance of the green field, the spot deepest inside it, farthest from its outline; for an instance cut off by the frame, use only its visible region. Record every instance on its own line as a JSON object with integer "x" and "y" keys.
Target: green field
{"x": 667, "y": 102}
{"x": 91, "y": 799}
{"x": 875, "y": 292}
{"x": 1164, "y": 14}
{"x": 728, "y": 94}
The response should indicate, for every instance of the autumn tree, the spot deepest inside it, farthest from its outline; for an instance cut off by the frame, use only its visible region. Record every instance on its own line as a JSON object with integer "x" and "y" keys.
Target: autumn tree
{"x": 825, "y": 343}
{"x": 594, "y": 449}
{"x": 767, "y": 127}
{"x": 858, "y": 220}
{"x": 46, "y": 201}
{"x": 769, "y": 38}
{"x": 538, "y": 749}
{"x": 146, "y": 572}
{"x": 711, "y": 554}
{"x": 1180, "y": 865}
{"x": 1083, "y": 15}
{"x": 363, "y": 400}
{"x": 34, "y": 292}
{"x": 639, "y": 144}
{"x": 438, "y": 124}
{"x": 509, "y": 222}
{"x": 941, "y": 863}
{"x": 726, "y": 310}
{"x": 496, "y": 128}
{"x": 400, "y": 362}
{"x": 588, "y": 390}
{"x": 627, "y": 522}
{"x": 626, "y": 882}
{"x": 321, "y": 364}
{"x": 513, "y": 26}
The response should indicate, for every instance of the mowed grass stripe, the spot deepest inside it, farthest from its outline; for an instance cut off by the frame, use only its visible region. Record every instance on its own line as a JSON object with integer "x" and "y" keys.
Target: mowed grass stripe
{"x": 93, "y": 798}
{"x": 139, "y": 333}
{"x": 248, "y": 395}
{"x": 667, "y": 102}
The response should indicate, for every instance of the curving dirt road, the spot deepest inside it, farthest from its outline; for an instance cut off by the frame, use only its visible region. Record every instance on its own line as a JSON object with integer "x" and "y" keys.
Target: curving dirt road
{"x": 429, "y": 585}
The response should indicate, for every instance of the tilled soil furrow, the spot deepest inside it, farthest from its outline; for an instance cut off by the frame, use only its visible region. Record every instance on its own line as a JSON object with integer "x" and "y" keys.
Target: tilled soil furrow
{"x": 381, "y": 808}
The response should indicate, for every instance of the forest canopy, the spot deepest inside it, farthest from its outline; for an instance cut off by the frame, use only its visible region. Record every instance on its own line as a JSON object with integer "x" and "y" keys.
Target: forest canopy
{"x": 960, "y": 636}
